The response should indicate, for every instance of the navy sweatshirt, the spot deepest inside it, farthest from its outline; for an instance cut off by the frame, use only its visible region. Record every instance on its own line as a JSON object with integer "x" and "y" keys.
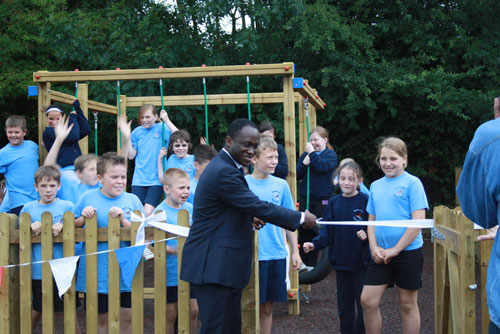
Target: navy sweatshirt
{"x": 347, "y": 251}
{"x": 322, "y": 167}
{"x": 70, "y": 150}
{"x": 281, "y": 170}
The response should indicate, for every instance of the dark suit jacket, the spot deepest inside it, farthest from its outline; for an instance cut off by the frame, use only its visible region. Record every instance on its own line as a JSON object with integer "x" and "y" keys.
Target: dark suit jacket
{"x": 219, "y": 246}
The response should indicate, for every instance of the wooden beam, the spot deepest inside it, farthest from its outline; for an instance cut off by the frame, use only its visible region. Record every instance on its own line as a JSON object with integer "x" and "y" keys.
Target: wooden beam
{"x": 92, "y": 105}
{"x": 83, "y": 97}
{"x": 304, "y": 89}
{"x": 285, "y": 69}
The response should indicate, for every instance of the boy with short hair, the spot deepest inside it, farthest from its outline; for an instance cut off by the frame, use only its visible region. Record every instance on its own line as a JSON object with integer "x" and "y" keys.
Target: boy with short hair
{"x": 47, "y": 183}
{"x": 176, "y": 187}
{"x": 272, "y": 246}
{"x": 110, "y": 199}
{"x": 18, "y": 162}
{"x": 203, "y": 154}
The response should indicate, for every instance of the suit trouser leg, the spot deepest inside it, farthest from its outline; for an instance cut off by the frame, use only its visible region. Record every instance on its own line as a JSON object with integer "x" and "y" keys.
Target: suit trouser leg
{"x": 219, "y": 308}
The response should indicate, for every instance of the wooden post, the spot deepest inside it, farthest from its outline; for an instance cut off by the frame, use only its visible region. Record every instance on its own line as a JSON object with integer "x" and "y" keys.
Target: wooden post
{"x": 47, "y": 280}
{"x": 183, "y": 286}
{"x": 484, "y": 259}
{"x": 91, "y": 274}
{"x": 83, "y": 98}
{"x": 250, "y": 303}
{"x": 302, "y": 126}
{"x": 113, "y": 276}
{"x": 289, "y": 118}
{"x": 137, "y": 288}
{"x": 70, "y": 296}
{"x": 458, "y": 171}
{"x": 43, "y": 103}
{"x": 293, "y": 297}
{"x": 160, "y": 281}
{"x": 25, "y": 272}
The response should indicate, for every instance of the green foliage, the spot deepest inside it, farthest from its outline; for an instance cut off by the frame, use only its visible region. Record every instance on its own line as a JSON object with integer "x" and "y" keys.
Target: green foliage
{"x": 422, "y": 70}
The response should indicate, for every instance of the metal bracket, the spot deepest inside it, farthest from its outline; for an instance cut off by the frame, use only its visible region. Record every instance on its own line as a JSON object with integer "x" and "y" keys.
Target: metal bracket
{"x": 438, "y": 235}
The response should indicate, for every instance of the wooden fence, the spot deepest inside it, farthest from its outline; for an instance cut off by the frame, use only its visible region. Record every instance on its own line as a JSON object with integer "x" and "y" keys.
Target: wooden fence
{"x": 15, "y": 291}
{"x": 454, "y": 273}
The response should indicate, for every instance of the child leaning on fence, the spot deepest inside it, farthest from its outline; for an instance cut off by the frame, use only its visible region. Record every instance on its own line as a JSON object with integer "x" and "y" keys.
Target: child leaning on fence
{"x": 47, "y": 183}
{"x": 176, "y": 187}
{"x": 111, "y": 199}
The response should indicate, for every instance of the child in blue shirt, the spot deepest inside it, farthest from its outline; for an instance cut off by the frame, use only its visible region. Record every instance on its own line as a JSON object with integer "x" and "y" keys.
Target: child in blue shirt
{"x": 272, "y": 245}
{"x": 180, "y": 144}
{"x": 396, "y": 251}
{"x": 70, "y": 149}
{"x": 47, "y": 183}
{"x": 19, "y": 162}
{"x": 146, "y": 140}
{"x": 110, "y": 199}
{"x": 203, "y": 154}
{"x": 348, "y": 251}
{"x": 176, "y": 187}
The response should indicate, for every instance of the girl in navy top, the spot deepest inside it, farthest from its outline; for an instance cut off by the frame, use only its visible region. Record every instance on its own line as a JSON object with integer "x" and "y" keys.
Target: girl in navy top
{"x": 348, "y": 251}
{"x": 321, "y": 159}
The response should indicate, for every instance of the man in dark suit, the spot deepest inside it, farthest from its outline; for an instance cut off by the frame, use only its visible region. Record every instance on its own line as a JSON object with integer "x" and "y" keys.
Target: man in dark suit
{"x": 217, "y": 256}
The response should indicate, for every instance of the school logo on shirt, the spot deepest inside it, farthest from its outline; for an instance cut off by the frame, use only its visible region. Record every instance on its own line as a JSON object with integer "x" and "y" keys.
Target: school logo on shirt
{"x": 127, "y": 212}
{"x": 399, "y": 192}
{"x": 357, "y": 215}
{"x": 33, "y": 149}
{"x": 275, "y": 196}
{"x": 189, "y": 168}
{"x": 156, "y": 135}
{"x": 58, "y": 219}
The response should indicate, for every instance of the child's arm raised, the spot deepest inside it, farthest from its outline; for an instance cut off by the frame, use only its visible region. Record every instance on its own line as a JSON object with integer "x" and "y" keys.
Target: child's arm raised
{"x": 83, "y": 123}
{"x": 164, "y": 117}
{"x": 163, "y": 153}
{"x": 125, "y": 129}
{"x": 62, "y": 130}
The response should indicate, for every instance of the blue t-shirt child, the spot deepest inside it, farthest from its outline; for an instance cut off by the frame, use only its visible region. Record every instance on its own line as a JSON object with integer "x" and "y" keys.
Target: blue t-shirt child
{"x": 19, "y": 164}
{"x": 172, "y": 219}
{"x": 128, "y": 203}
{"x": 35, "y": 209}
{"x": 193, "y": 183}
{"x": 148, "y": 144}
{"x": 72, "y": 188}
{"x": 395, "y": 199}
{"x": 271, "y": 238}
{"x": 186, "y": 164}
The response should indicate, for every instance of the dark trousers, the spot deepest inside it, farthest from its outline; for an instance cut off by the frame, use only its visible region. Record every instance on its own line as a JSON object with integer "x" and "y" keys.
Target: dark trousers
{"x": 219, "y": 308}
{"x": 317, "y": 207}
{"x": 16, "y": 211}
{"x": 349, "y": 287}
{"x": 493, "y": 329}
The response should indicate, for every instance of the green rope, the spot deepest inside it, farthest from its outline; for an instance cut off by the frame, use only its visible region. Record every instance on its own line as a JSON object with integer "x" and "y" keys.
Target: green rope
{"x": 206, "y": 108}
{"x": 306, "y": 107}
{"x": 164, "y": 162}
{"x": 76, "y": 92}
{"x": 95, "y": 132}
{"x": 119, "y": 106}
{"x": 248, "y": 98}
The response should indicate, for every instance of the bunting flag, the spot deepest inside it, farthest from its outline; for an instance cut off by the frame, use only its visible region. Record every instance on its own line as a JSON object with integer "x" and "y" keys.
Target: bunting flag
{"x": 128, "y": 259}
{"x": 63, "y": 270}
{"x": 1, "y": 276}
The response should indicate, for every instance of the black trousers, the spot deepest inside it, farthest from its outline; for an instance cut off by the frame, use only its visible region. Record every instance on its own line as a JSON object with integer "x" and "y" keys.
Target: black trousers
{"x": 219, "y": 308}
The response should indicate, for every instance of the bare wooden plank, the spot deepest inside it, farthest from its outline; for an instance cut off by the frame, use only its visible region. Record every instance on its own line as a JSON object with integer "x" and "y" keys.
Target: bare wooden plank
{"x": 91, "y": 274}
{"x": 83, "y": 97}
{"x": 307, "y": 91}
{"x": 285, "y": 69}
{"x": 183, "y": 309}
{"x": 160, "y": 281}
{"x": 250, "y": 304}
{"x": 137, "y": 289}
{"x": 25, "y": 272}
{"x": 92, "y": 105}
{"x": 467, "y": 271}
{"x": 113, "y": 276}
{"x": 484, "y": 259}
{"x": 5, "y": 326}
{"x": 47, "y": 281}
{"x": 70, "y": 320}
{"x": 43, "y": 103}
{"x": 293, "y": 293}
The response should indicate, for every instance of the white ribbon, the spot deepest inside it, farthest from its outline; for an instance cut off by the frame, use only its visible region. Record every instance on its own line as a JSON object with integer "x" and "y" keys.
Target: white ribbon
{"x": 140, "y": 237}
{"x": 413, "y": 223}
{"x": 63, "y": 270}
